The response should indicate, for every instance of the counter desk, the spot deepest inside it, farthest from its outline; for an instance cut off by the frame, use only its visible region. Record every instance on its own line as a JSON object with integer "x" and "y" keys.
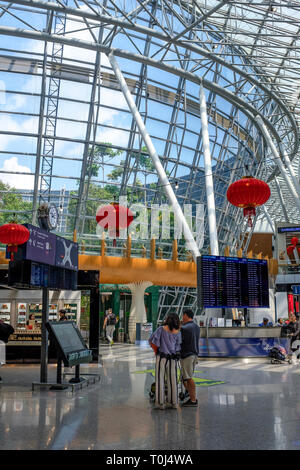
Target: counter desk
{"x": 240, "y": 341}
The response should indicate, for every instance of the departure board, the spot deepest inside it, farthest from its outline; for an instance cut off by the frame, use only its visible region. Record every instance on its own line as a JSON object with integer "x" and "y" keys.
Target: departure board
{"x": 232, "y": 282}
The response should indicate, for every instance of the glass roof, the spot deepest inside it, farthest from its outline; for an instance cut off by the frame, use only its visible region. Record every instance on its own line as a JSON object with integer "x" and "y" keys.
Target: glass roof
{"x": 68, "y": 137}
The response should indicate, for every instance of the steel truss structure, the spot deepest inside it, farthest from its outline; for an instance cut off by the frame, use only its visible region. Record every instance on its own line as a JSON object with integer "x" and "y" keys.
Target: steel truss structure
{"x": 65, "y": 123}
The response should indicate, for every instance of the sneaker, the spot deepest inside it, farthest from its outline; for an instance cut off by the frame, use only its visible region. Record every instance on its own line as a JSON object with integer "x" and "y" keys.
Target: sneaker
{"x": 190, "y": 403}
{"x": 111, "y": 343}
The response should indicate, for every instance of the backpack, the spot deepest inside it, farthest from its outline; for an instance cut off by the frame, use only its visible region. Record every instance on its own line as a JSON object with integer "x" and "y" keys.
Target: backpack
{"x": 112, "y": 319}
{"x": 5, "y": 331}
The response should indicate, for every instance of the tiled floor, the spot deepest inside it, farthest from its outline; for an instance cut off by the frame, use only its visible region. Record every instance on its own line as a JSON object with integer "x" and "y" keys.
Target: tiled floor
{"x": 257, "y": 407}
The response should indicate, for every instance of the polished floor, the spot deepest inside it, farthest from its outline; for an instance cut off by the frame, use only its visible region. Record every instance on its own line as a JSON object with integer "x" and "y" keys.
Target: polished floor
{"x": 243, "y": 404}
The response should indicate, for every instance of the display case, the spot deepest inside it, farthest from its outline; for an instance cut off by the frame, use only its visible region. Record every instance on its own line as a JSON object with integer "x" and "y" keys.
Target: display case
{"x": 36, "y": 310}
{"x": 16, "y": 308}
{"x": 21, "y": 315}
{"x": 53, "y": 314}
{"x": 5, "y": 309}
{"x": 71, "y": 311}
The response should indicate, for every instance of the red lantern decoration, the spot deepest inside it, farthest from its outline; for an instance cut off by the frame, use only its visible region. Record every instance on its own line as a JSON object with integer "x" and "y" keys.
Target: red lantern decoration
{"x": 13, "y": 235}
{"x": 294, "y": 241}
{"x": 114, "y": 217}
{"x": 248, "y": 193}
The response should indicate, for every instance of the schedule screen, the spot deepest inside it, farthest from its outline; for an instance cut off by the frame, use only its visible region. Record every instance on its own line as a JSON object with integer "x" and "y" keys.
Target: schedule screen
{"x": 232, "y": 282}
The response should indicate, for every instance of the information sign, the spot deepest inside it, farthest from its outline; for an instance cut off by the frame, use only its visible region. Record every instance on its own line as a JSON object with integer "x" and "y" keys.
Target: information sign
{"x": 232, "y": 282}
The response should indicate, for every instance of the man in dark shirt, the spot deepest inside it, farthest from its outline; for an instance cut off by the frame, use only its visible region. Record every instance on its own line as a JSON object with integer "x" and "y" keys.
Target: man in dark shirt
{"x": 190, "y": 333}
{"x": 295, "y": 335}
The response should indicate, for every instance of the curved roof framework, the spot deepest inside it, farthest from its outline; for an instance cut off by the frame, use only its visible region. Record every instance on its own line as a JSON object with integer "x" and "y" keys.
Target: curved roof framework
{"x": 67, "y": 135}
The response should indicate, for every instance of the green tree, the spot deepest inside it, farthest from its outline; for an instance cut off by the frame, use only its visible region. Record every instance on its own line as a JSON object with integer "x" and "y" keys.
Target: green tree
{"x": 12, "y": 206}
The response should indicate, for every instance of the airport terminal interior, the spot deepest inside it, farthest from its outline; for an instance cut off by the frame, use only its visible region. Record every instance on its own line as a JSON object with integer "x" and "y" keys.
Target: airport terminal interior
{"x": 149, "y": 225}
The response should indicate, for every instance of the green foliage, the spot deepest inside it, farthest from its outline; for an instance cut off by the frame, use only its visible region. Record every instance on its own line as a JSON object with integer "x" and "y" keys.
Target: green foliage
{"x": 12, "y": 201}
{"x": 100, "y": 151}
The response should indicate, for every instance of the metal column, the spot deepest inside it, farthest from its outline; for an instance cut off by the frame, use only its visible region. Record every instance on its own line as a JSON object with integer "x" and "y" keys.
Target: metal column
{"x": 191, "y": 243}
{"x": 269, "y": 218}
{"x": 281, "y": 199}
{"x": 278, "y": 160}
{"x": 289, "y": 166}
{"x": 210, "y": 196}
{"x": 44, "y": 342}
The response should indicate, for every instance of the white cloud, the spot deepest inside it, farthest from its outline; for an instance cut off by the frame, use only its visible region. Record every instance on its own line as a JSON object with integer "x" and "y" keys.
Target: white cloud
{"x": 17, "y": 181}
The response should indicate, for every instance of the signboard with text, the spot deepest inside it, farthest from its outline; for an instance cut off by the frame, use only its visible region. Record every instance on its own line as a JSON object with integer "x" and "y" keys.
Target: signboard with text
{"x": 232, "y": 282}
{"x": 41, "y": 246}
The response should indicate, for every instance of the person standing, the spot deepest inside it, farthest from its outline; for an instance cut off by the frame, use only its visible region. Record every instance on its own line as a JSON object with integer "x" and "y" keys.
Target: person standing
{"x": 109, "y": 325}
{"x": 165, "y": 342}
{"x": 62, "y": 315}
{"x": 190, "y": 333}
{"x": 296, "y": 334}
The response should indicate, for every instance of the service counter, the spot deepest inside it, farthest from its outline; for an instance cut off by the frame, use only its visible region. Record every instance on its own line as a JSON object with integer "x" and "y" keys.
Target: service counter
{"x": 23, "y": 310}
{"x": 240, "y": 341}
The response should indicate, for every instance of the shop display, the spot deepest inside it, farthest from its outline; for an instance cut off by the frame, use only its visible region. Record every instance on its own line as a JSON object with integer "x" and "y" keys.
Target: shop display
{"x": 53, "y": 312}
{"x": 36, "y": 309}
{"x": 21, "y": 315}
{"x": 71, "y": 310}
{"x": 5, "y": 312}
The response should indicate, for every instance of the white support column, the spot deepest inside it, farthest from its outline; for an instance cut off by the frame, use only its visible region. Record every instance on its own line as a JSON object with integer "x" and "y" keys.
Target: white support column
{"x": 281, "y": 199}
{"x": 269, "y": 218}
{"x": 210, "y": 196}
{"x": 137, "y": 309}
{"x": 278, "y": 160}
{"x": 191, "y": 243}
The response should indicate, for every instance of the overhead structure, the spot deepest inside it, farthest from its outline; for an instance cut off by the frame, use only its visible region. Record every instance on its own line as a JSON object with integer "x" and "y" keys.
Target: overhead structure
{"x": 66, "y": 126}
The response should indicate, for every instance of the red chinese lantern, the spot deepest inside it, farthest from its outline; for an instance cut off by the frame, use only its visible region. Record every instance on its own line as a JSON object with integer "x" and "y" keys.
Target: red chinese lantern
{"x": 114, "y": 217}
{"x": 294, "y": 241}
{"x": 13, "y": 235}
{"x": 248, "y": 193}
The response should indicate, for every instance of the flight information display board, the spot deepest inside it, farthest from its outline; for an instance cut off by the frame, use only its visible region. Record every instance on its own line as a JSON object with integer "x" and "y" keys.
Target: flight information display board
{"x": 232, "y": 282}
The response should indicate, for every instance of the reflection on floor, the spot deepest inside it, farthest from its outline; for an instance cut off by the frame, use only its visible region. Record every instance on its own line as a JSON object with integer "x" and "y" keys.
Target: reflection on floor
{"x": 257, "y": 407}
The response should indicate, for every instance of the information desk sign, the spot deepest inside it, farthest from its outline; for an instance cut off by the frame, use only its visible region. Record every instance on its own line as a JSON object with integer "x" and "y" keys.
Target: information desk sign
{"x": 40, "y": 247}
{"x": 232, "y": 282}
{"x": 69, "y": 343}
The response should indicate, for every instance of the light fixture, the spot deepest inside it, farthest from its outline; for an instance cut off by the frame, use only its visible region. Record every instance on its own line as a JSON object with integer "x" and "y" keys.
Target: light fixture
{"x": 176, "y": 185}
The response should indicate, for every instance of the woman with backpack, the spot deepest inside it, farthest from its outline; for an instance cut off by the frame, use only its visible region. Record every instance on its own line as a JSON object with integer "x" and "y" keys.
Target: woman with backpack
{"x": 109, "y": 325}
{"x": 166, "y": 343}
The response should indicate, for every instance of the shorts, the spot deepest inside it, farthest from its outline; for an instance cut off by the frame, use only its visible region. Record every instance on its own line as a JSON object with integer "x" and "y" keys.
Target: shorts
{"x": 188, "y": 367}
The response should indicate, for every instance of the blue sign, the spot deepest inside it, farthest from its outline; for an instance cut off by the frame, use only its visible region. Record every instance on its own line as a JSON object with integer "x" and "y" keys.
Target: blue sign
{"x": 40, "y": 246}
{"x": 296, "y": 290}
{"x": 66, "y": 254}
{"x": 240, "y": 347}
{"x": 289, "y": 229}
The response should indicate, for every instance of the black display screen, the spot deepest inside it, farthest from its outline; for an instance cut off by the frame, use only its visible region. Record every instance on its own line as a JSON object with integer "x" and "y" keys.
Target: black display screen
{"x": 67, "y": 335}
{"x": 69, "y": 342}
{"x": 232, "y": 282}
